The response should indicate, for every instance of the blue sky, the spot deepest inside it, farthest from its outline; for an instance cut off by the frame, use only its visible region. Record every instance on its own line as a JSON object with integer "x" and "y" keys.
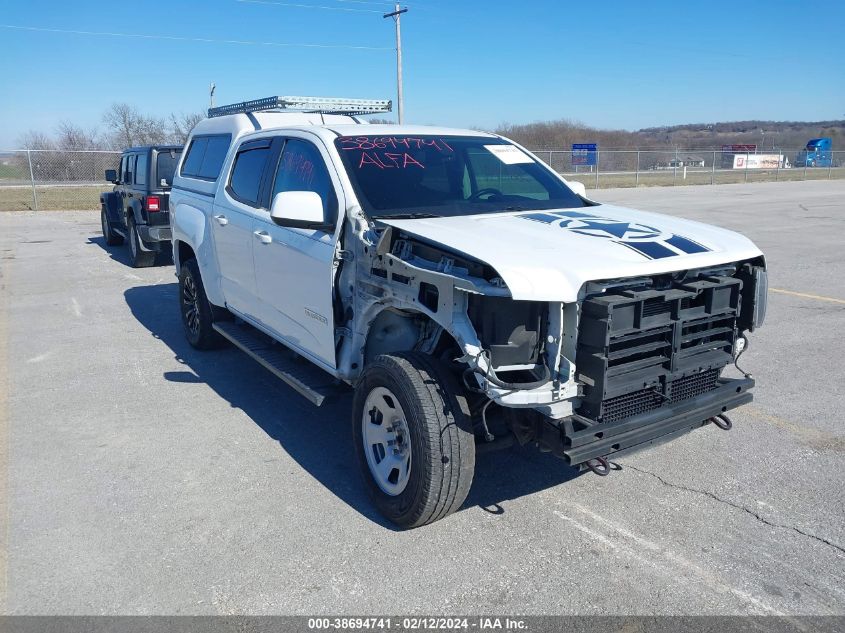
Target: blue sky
{"x": 609, "y": 64}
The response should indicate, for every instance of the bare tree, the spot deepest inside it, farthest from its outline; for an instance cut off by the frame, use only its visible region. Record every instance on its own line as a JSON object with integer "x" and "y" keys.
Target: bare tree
{"x": 129, "y": 127}
{"x": 35, "y": 140}
{"x": 121, "y": 118}
{"x": 70, "y": 136}
{"x": 182, "y": 124}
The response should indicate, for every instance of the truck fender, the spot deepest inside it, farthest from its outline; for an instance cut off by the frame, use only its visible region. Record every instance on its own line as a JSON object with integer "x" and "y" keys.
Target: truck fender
{"x": 189, "y": 225}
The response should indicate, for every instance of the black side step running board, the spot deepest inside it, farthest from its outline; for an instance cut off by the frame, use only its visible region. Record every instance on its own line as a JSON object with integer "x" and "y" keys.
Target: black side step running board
{"x": 310, "y": 381}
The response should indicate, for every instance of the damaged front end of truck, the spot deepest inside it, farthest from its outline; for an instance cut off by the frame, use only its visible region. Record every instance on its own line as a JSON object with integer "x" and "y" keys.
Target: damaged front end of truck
{"x": 628, "y": 363}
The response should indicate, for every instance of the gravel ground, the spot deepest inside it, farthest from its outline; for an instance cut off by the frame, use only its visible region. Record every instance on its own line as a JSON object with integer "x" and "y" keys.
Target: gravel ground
{"x": 143, "y": 477}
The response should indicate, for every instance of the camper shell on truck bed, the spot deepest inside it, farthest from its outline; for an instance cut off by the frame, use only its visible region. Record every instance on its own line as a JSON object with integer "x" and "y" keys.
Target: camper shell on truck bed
{"x": 470, "y": 295}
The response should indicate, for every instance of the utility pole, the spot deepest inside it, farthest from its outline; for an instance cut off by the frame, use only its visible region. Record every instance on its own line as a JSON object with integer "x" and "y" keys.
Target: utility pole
{"x": 396, "y": 14}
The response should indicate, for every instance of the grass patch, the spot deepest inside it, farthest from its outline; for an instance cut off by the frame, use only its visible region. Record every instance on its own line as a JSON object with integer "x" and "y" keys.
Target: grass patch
{"x": 51, "y": 198}
{"x": 12, "y": 172}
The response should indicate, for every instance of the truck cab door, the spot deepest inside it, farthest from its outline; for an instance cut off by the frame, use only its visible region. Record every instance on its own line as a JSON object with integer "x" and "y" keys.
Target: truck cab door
{"x": 294, "y": 268}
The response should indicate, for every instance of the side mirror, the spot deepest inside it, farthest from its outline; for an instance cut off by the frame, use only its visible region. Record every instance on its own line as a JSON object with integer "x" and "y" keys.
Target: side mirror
{"x": 111, "y": 175}
{"x": 577, "y": 187}
{"x": 299, "y": 209}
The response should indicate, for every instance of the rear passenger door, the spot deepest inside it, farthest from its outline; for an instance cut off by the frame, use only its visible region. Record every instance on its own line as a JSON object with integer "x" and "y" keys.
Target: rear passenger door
{"x": 236, "y": 211}
{"x": 294, "y": 268}
{"x": 126, "y": 184}
{"x": 139, "y": 186}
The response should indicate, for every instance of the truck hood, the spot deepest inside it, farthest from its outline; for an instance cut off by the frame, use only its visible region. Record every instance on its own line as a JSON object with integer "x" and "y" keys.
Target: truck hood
{"x": 549, "y": 255}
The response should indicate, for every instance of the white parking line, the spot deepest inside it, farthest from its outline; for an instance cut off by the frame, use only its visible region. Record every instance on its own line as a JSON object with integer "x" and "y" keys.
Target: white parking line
{"x": 659, "y": 558}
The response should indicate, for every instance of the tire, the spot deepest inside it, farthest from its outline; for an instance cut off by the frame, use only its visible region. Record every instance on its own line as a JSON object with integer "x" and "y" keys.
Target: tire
{"x": 112, "y": 238}
{"x": 429, "y": 452}
{"x": 137, "y": 257}
{"x": 198, "y": 315}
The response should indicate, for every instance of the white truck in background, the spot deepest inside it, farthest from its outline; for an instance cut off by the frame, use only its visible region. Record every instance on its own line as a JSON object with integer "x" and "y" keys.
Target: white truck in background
{"x": 470, "y": 295}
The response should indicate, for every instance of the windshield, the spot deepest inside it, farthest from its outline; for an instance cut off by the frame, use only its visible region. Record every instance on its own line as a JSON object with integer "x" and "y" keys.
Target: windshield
{"x": 447, "y": 176}
{"x": 166, "y": 165}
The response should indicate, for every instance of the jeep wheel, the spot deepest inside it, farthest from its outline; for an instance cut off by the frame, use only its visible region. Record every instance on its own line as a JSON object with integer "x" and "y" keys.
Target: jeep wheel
{"x": 197, "y": 312}
{"x": 112, "y": 238}
{"x": 139, "y": 258}
{"x": 413, "y": 436}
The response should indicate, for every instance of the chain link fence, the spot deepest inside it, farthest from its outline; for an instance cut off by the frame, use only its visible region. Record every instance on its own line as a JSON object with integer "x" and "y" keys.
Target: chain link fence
{"x": 637, "y": 168}
{"x": 55, "y": 180}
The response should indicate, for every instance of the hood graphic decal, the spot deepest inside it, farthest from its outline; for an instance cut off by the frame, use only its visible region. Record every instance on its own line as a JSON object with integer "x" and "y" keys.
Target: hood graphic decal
{"x": 646, "y": 240}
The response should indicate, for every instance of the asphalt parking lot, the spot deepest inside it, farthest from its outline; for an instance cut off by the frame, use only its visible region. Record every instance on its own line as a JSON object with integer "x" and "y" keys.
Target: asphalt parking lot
{"x": 144, "y": 477}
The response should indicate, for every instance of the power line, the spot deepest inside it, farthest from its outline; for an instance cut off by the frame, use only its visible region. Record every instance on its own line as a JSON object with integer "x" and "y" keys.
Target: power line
{"x": 377, "y": 3}
{"x": 309, "y": 6}
{"x": 381, "y": 4}
{"x": 192, "y": 39}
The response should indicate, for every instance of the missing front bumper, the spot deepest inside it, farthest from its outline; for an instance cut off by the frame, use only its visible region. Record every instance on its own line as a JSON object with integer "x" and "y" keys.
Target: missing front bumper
{"x": 583, "y": 439}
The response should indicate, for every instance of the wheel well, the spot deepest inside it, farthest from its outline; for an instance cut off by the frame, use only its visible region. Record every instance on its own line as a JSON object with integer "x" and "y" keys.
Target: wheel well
{"x": 185, "y": 252}
{"x": 403, "y": 331}
{"x": 447, "y": 348}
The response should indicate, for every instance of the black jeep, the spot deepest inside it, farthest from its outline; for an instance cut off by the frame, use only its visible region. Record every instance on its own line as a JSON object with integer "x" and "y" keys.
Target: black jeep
{"x": 137, "y": 208}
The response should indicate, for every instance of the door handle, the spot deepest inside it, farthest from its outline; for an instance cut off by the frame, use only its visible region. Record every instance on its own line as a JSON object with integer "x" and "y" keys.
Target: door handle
{"x": 263, "y": 237}
{"x": 222, "y": 220}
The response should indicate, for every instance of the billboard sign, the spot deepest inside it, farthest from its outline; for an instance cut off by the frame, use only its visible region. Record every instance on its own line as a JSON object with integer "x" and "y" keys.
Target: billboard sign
{"x": 584, "y": 154}
{"x": 758, "y": 161}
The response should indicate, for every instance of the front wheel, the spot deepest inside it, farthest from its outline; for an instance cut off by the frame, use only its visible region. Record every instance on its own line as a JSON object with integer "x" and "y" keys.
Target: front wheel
{"x": 413, "y": 436}
{"x": 112, "y": 238}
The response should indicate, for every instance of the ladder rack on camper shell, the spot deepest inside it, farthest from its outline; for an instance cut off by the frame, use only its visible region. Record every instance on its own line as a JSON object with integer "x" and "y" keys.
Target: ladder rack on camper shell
{"x": 317, "y": 105}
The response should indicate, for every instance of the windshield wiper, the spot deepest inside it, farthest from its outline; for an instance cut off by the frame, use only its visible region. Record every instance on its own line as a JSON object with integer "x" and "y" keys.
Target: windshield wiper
{"x": 409, "y": 216}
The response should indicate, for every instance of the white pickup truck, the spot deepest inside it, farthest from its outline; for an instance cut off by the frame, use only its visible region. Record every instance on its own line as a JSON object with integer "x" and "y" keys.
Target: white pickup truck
{"x": 441, "y": 271}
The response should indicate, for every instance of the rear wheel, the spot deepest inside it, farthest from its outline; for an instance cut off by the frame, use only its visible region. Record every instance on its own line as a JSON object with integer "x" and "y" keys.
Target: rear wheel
{"x": 138, "y": 257}
{"x": 413, "y": 436}
{"x": 197, "y": 313}
{"x": 112, "y": 238}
